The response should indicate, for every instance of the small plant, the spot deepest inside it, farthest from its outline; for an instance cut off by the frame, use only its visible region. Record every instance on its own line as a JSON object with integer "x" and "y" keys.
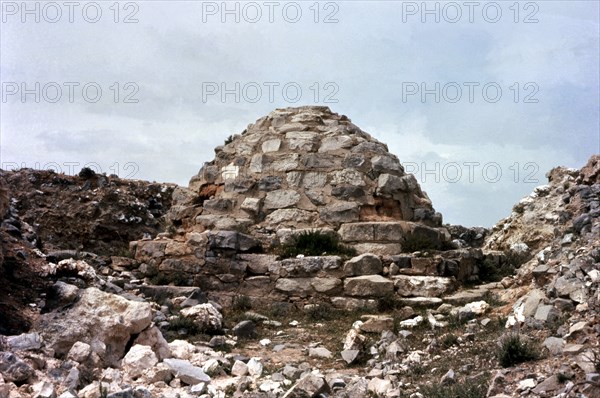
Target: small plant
{"x": 102, "y": 390}
{"x": 514, "y": 349}
{"x": 229, "y": 140}
{"x": 86, "y": 173}
{"x": 278, "y": 310}
{"x": 182, "y": 323}
{"x": 519, "y": 208}
{"x": 449, "y": 340}
{"x": 321, "y": 312}
{"x": 177, "y": 279}
{"x": 563, "y": 378}
{"x": 462, "y": 389}
{"x": 488, "y": 271}
{"x": 492, "y": 299}
{"x": 417, "y": 369}
{"x": 516, "y": 258}
{"x": 387, "y": 302}
{"x": 594, "y": 358}
{"x": 416, "y": 242}
{"x": 455, "y": 322}
{"x": 315, "y": 243}
{"x": 124, "y": 252}
{"x": 230, "y": 390}
{"x": 241, "y": 303}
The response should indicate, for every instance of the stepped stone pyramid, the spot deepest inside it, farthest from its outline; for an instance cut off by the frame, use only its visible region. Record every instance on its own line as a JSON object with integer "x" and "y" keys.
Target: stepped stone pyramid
{"x": 303, "y": 167}
{"x": 297, "y": 169}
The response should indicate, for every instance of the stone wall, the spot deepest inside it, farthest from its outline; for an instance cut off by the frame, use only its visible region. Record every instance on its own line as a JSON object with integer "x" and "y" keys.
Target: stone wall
{"x": 226, "y": 264}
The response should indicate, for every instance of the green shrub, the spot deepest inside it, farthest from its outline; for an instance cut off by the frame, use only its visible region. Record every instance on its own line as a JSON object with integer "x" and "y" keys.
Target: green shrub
{"x": 241, "y": 303}
{"x": 515, "y": 349}
{"x": 278, "y": 310}
{"x": 594, "y": 358}
{"x": 515, "y": 258}
{"x": 321, "y": 312}
{"x": 182, "y": 323}
{"x": 488, "y": 272}
{"x": 462, "y": 389}
{"x": 449, "y": 340}
{"x": 519, "y": 208}
{"x": 86, "y": 173}
{"x": 387, "y": 302}
{"x": 177, "y": 279}
{"x": 315, "y": 243}
{"x": 492, "y": 299}
{"x": 416, "y": 242}
{"x": 563, "y": 377}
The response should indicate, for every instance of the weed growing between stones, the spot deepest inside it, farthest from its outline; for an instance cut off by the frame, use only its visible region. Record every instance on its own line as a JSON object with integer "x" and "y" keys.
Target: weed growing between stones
{"x": 177, "y": 279}
{"x": 322, "y": 312}
{"x": 414, "y": 243}
{"x": 241, "y": 303}
{"x": 188, "y": 325}
{"x": 516, "y": 259}
{"x": 387, "y": 302}
{"x": 594, "y": 358}
{"x": 490, "y": 272}
{"x": 228, "y": 140}
{"x": 514, "y": 349}
{"x": 563, "y": 378}
{"x": 448, "y": 340}
{"x": 468, "y": 388}
{"x": 314, "y": 243}
{"x": 492, "y": 299}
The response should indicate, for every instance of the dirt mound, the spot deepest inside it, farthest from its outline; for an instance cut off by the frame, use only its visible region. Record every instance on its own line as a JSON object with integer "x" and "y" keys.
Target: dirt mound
{"x": 94, "y": 213}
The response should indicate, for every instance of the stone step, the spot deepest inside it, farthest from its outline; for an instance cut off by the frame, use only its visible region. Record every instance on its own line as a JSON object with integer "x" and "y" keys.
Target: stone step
{"x": 423, "y": 286}
{"x": 466, "y": 296}
{"x": 421, "y": 301}
{"x": 389, "y": 231}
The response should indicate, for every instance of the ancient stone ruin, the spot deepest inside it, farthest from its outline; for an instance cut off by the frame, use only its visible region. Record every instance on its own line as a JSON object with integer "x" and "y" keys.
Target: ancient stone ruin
{"x": 218, "y": 298}
{"x": 306, "y": 167}
{"x": 301, "y": 169}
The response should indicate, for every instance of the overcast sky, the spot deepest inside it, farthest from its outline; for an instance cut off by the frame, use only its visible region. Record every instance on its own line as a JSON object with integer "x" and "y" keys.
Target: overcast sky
{"x": 478, "y": 99}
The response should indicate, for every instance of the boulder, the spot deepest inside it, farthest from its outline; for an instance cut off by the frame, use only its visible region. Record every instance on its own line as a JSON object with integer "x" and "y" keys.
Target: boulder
{"x": 98, "y": 316}
{"x": 368, "y": 286}
{"x": 24, "y": 342}
{"x": 245, "y": 329}
{"x": 14, "y": 369}
{"x": 80, "y": 352}
{"x": 206, "y": 316}
{"x": 59, "y": 295}
{"x": 239, "y": 369}
{"x": 181, "y": 349}
{"x": 376, "y": 323}
{"x": 138, "y": 359}
{"x": 295, "y": 287}
{"x": 310, "y": 386}
{"x": 365, "y": 264}
{"x": 186, "y": 372}
{"x": 423, "y": 286}
{"x": 153, "y": 338}
{"x": 220, "y": 240}
{"x": 309, "y": 266}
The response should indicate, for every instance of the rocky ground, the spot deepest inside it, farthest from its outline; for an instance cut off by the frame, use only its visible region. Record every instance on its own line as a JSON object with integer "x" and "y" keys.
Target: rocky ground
{"x": 84, "y": 319}
{"x": 48, "y": 217}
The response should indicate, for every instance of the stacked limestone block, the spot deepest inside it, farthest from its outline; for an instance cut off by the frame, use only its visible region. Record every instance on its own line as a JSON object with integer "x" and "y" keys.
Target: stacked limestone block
{"x": 298, "y": 168}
